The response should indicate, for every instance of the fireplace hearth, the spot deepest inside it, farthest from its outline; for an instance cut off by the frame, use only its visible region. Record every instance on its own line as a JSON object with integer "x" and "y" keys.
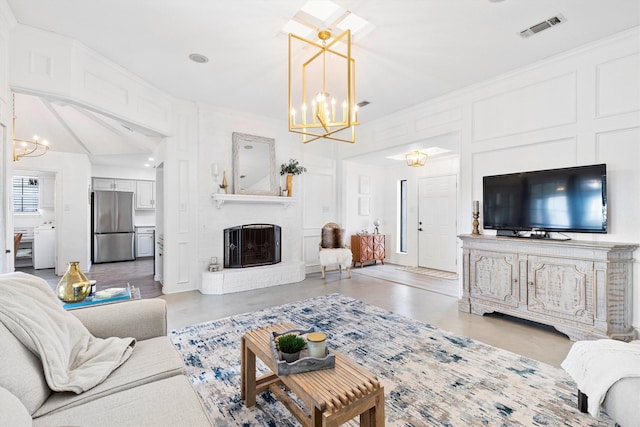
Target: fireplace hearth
{"x": 252, "y": 245}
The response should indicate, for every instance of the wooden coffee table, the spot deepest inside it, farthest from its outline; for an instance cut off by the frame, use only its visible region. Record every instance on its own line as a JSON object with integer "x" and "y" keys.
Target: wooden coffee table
{"x": 331, "y": 397}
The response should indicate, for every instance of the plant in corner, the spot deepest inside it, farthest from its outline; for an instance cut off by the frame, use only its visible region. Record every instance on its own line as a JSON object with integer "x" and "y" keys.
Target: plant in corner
{"x": 290, "y": 346}
{"x": 290, "y": 169}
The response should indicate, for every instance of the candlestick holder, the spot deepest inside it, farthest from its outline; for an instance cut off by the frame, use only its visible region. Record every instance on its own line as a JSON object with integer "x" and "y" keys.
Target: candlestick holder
{"x": 476, "y": 223}
{"x": 224, "y": 184}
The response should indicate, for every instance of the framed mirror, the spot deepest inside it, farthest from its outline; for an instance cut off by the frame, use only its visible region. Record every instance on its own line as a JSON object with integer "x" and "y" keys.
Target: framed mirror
{"x": 254, "y": 165}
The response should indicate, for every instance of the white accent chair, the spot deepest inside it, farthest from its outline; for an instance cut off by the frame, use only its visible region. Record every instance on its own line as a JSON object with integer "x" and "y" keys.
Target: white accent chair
{"x": 333, "y": 249}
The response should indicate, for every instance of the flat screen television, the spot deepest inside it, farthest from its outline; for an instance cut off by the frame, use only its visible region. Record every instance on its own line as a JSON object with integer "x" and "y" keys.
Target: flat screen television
{"x": 570, "y": 199}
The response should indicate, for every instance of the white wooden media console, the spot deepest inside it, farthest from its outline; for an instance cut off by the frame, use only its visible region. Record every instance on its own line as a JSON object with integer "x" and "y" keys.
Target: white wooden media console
{"x": 581, "y": 288}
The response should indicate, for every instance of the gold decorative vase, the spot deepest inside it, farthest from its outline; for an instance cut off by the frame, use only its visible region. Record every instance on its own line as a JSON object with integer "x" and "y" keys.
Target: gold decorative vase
{"x": 74, "y": 285}
{"x": 289, "y": 184}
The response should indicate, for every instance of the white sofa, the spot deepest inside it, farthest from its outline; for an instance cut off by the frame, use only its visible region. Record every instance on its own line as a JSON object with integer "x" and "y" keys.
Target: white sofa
{"x": 149, "y": 388}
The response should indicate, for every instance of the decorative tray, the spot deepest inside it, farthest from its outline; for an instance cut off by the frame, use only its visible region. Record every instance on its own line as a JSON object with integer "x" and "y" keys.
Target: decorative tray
{"x": 305, "y": 363}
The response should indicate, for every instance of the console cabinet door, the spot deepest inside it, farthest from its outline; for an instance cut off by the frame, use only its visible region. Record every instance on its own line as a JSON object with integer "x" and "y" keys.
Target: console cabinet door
{"x": 494, "y": 277}
{"x": 561, "y": 288}
{"x": 378, "y": 247}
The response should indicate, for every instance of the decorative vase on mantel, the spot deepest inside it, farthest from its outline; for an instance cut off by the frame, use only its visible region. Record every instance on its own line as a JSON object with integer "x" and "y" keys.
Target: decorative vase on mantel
{"x": 289, "y": 184}
{"x": 74, "y": 285}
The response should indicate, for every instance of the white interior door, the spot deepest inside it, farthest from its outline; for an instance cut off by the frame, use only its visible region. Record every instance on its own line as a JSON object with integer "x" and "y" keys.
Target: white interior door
{"x": 437, "y": 223}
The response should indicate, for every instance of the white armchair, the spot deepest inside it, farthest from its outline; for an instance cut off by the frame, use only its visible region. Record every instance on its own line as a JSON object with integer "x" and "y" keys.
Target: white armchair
{"x": 333, "y": 249}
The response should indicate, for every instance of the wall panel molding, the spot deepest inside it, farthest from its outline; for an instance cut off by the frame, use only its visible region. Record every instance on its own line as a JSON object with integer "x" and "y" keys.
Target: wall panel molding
{"x": 542, "y": 105}
{"x": 184, "y": 264}
{"x": 427, "y": 120}
{"x": 618, "y": 86}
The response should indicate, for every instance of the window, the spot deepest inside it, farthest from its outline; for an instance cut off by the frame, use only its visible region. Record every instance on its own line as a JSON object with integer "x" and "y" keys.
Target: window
{"x": 25, "y": 194}
{"x": 403, "y": 215}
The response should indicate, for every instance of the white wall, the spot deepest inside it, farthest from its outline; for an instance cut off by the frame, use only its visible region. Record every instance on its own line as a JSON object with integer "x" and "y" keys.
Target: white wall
{"x": 582, "y": 107}
{"x": 72, "y": 205}
{"x": 7, "y": 22}
{"x": 215, "y": 146}
{"x": 384, "y": 201}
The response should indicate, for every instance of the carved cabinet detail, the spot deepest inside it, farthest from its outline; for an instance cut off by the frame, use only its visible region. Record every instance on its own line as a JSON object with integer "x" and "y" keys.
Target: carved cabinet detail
{"x": 367, "y": 247}
{"x": 494, "y": 276}
{"x": 581, "y": 288}
{"x": 560, "y": 289}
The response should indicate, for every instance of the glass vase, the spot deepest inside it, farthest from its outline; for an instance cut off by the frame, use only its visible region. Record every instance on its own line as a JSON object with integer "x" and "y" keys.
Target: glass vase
{"x": 74, "y": 285}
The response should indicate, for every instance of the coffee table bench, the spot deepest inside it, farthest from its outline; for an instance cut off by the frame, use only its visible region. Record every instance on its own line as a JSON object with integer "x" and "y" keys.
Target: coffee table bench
{"x": 331, "y": 397}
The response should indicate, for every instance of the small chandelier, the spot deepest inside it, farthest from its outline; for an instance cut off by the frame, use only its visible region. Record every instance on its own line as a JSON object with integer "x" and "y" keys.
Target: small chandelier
{"x": 416, "y": 158}
{"x": 322, "y": 88}
{"x": 26, "y": 147}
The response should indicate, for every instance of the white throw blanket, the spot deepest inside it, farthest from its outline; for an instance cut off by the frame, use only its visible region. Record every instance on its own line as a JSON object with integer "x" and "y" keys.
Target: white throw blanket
{"x": 596, "y": 365}
{"x": 72, "y": 358}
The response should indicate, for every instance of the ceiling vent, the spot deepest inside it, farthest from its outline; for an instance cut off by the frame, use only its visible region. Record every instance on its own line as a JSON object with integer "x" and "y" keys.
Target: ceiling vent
{"x": 535, "y": 29}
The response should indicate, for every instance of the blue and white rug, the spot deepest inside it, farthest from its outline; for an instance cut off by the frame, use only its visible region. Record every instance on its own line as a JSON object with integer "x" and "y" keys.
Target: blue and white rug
{"x": 431, "y": 377}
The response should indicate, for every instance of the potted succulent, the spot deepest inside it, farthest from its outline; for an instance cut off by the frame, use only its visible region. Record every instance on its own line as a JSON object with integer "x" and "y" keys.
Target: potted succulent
{"x": 290, "y": 346}
{"x": 290, "y": 169}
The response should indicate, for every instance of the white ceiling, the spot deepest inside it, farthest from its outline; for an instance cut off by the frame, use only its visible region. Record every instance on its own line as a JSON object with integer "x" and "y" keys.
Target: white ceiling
{"x": 418, "y": 50}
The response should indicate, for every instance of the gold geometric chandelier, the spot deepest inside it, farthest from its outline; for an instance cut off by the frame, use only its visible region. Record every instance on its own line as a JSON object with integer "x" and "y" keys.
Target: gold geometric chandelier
{"x": 416, "y": 158}
{"x": 322, "y": 88}
{"x": 26, "y": 147}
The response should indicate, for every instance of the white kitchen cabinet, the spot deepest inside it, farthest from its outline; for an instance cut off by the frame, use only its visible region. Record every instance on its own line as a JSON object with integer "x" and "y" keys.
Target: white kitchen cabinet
{"x": 145, "y": 241}
{"x": 145, "y": 195}
{"x": 110, "y": 184}
{"x": 47, "y": 192}
{"x": 44, "y": 252}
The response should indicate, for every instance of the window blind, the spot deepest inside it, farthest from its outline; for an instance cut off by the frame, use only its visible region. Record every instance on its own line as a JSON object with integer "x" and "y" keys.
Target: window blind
{"x": 25, "y": 194}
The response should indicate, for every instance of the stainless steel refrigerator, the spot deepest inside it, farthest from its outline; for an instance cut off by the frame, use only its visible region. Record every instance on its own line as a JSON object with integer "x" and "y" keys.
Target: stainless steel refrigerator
{"x": 112, "y": 226}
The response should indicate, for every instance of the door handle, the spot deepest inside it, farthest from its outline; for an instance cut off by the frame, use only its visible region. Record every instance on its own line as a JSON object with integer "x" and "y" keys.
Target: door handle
{"x": 419, "y": 228}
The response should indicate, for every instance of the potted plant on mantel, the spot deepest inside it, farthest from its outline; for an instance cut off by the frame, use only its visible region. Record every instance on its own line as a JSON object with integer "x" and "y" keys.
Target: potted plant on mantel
{"x": 290, "y": 169}
{"x": 290, "y": 346}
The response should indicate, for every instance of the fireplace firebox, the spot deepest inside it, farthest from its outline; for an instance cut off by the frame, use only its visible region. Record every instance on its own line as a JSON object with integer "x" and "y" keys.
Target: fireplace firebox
{"x": 251, "y": 245}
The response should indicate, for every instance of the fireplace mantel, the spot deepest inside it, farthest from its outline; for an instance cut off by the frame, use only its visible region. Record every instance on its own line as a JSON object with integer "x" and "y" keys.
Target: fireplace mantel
{"x": 221, "y": 199}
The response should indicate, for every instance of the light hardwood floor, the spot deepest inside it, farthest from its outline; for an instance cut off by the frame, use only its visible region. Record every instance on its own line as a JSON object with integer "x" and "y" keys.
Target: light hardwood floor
{"x": 393, "y": 291}
{"x": 385, "y": 286}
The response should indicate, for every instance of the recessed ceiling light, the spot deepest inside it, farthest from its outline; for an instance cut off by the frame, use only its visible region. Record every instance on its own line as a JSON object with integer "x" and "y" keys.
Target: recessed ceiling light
{"x": 200, "y": 59}
{"x": 151, "y": 159}
{"x": 146, "y": 165}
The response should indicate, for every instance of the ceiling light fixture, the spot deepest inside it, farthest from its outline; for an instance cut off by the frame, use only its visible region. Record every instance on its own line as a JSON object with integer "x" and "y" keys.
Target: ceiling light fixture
{"x": 416, "y": 158}
{"x": 321, "y": 75}
{"x": 25, "y": 147}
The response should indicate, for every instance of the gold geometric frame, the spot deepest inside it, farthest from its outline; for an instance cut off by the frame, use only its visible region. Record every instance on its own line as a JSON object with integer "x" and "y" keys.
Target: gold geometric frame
{"x": 323, "y": 121}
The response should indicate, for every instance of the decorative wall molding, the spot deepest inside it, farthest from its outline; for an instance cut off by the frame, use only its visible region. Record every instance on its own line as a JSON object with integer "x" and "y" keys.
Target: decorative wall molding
{"x": 545, "y": 104}
{"x": 58, "y": 67}
{"x": 429, "y": 119}
{"x": 618, "y": 86}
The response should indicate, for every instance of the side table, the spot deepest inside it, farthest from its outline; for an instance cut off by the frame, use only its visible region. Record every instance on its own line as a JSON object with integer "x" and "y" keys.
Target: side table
{"x": 331, "y": 397}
